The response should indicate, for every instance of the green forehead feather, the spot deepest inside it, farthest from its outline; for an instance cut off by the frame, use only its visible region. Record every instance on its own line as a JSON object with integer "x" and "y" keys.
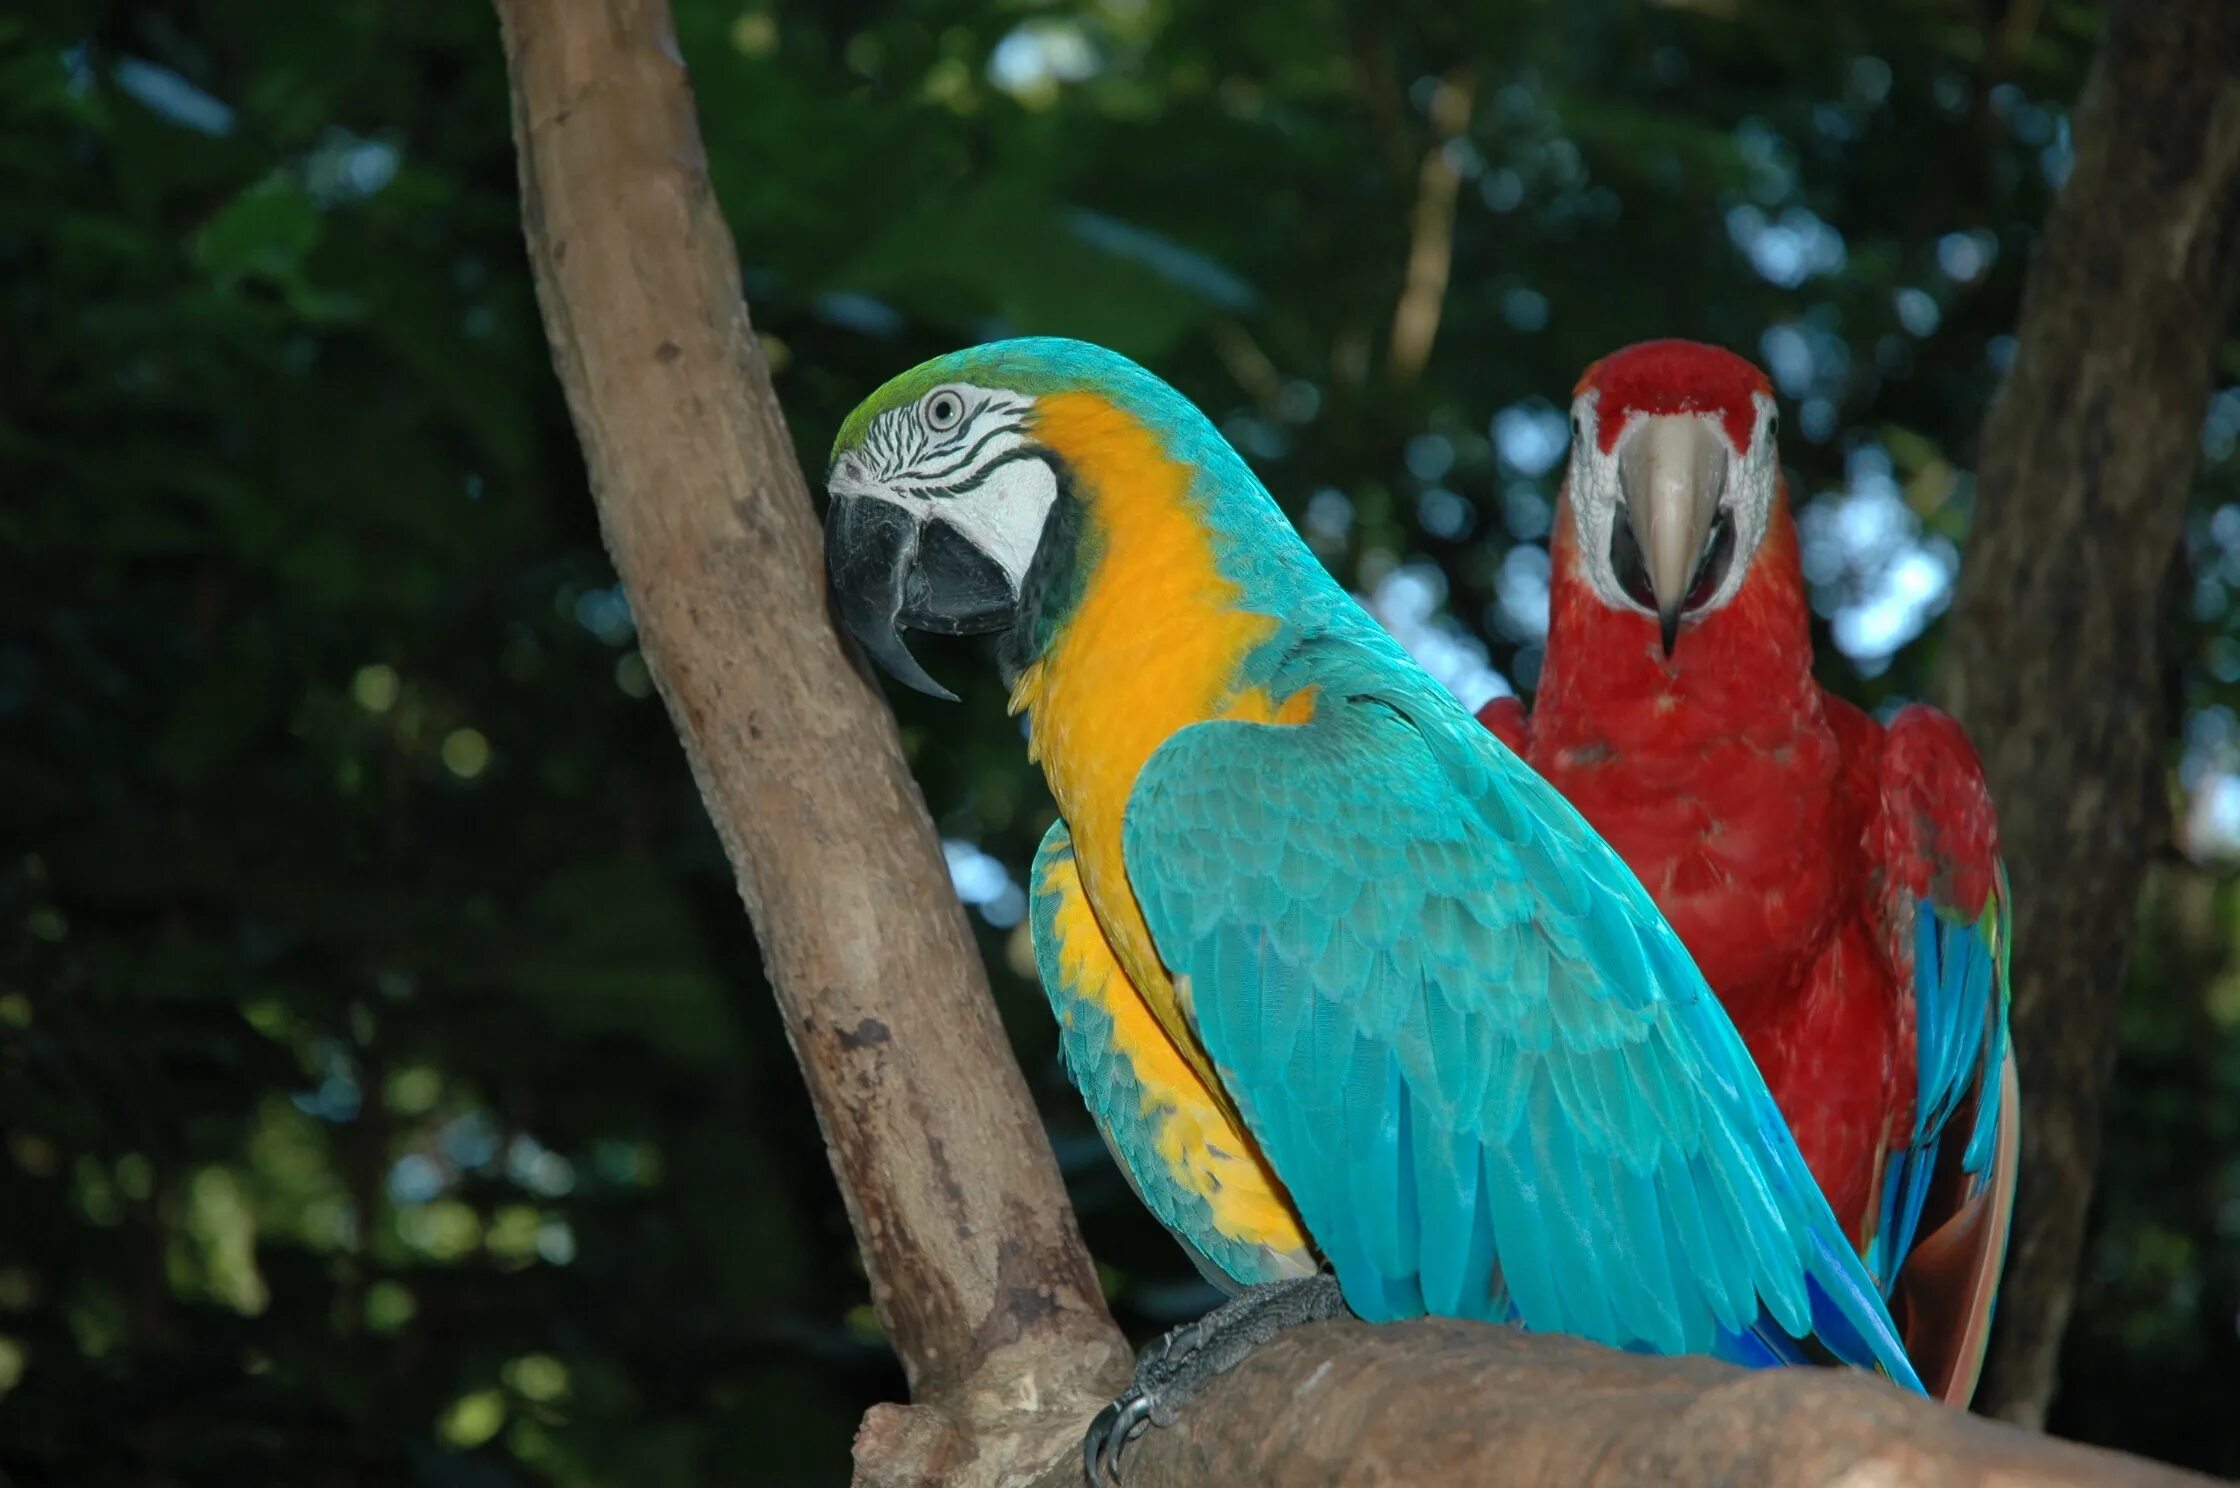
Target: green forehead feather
{"x": 1032, "y": 365}
{"x": 898, "y": 392}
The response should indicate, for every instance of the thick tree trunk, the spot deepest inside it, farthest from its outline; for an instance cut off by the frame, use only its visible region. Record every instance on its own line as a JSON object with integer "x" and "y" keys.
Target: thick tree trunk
{"x": 976, "y": 1268}
{"x": 2086, "y": 464}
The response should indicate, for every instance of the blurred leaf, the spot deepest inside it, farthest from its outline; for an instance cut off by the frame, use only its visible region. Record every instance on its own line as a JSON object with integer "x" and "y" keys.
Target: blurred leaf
{"x": 267, "y": 231}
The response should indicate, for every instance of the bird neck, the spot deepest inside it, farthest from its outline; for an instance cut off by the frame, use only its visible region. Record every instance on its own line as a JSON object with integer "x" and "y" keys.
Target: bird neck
{"x": 1750, "y": 658}
{"x": 1154, "y": 635}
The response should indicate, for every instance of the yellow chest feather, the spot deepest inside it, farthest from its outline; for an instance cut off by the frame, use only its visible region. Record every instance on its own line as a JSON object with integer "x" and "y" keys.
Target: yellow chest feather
{"x": 1153, "y": 645}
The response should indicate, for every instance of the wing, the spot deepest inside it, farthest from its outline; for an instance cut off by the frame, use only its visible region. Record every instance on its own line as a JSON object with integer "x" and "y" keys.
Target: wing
{"x": 1482, "y": 1064}
{"x": 1947, "y": 1198}
{"x": 1177, "y": 1145}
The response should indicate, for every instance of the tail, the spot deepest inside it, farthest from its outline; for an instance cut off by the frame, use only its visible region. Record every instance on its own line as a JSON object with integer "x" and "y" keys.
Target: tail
{"x": 1836, "y": 1339}
{"x": 1948, "y": 1286}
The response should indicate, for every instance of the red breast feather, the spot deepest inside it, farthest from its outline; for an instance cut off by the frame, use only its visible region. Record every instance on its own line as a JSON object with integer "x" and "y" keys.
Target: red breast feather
{"x": 1745, "y": 799}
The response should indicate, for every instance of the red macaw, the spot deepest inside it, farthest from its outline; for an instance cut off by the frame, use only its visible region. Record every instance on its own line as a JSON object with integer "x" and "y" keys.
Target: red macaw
{"x": 1837, "y": 879}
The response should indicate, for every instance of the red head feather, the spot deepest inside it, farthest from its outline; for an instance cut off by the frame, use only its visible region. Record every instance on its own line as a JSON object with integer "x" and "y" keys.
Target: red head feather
{"x": 1659, "y": 377}
{"x": 1601, "y": 654}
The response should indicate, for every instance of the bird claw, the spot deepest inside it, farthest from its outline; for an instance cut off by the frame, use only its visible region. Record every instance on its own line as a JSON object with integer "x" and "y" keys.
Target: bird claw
{"x": 1178, "y": 1365}
{"x": 1116, "y": 1425}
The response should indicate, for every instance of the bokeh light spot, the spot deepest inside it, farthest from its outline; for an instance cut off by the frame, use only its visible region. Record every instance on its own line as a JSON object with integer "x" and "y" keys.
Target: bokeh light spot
{"x": 466, "y": 753}
{"x": 376, "y": 687}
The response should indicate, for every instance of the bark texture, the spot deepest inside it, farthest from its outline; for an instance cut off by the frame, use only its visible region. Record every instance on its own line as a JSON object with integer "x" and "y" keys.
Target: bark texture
{"x": 1345, "y": 1405}
{"x": 2054, "y": 667}
{"x": 977, "y": 1269}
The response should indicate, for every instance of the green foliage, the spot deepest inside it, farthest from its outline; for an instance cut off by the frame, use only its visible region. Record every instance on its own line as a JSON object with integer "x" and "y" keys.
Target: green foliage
{"x": 388, "y": 1086}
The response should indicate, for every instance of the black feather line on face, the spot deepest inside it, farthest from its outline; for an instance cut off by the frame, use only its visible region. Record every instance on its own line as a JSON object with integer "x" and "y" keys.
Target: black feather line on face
{"x": 980, "y": 476}
{"x": 881, "y": 449}
{"x": 964, "y": 461}
{"x": 1058, "y": 575}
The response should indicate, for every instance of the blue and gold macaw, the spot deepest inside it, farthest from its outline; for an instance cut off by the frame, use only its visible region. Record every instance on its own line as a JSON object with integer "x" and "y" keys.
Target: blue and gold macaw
{"x": 1344, "y": 984}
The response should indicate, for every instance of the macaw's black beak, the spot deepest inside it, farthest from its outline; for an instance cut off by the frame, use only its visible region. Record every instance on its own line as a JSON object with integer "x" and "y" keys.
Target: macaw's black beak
{"x": 893, "y": 571}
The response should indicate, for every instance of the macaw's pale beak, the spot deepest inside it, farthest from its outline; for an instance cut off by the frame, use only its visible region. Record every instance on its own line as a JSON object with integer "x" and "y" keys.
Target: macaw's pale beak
{"x": 893, "y": 570}
{"x": 1672, "y": 472}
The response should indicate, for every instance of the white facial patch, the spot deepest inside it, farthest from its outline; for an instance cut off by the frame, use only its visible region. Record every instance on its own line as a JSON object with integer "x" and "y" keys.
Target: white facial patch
{"x": 1598, "y": 499}
{"x": 1001, "y": 515}
{"x": 959, "y": 454}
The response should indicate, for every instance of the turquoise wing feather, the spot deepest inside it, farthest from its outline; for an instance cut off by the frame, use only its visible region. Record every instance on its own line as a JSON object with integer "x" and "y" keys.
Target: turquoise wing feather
{"x": 1961, "y": 996}
{"x": 1484, "y": 1067}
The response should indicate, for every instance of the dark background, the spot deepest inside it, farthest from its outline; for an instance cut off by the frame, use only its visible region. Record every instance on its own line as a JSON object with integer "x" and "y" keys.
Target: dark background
{"x": 389, "y": 1090}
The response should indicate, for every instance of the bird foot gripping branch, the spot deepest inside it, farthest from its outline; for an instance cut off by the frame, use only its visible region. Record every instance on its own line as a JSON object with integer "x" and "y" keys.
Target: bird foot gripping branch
{"x": 1180, "y": 1364}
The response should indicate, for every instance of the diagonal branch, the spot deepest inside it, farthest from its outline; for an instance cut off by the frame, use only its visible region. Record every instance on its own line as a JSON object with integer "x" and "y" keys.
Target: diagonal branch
{"x": 1423, "y": 291}
{"x": 978, "y": 1273}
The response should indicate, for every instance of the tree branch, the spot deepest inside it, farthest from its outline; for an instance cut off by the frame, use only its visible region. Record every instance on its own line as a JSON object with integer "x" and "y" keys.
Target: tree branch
{"x": 1423, "y": 292}
{"x": 976, "y": 1268}
{"x": 1444, "y": 1402}
{"x": 2087, "y": 462}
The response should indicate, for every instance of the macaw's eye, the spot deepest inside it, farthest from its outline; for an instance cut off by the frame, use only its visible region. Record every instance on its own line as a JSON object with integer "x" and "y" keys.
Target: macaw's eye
{"x": 943, "y": 411}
